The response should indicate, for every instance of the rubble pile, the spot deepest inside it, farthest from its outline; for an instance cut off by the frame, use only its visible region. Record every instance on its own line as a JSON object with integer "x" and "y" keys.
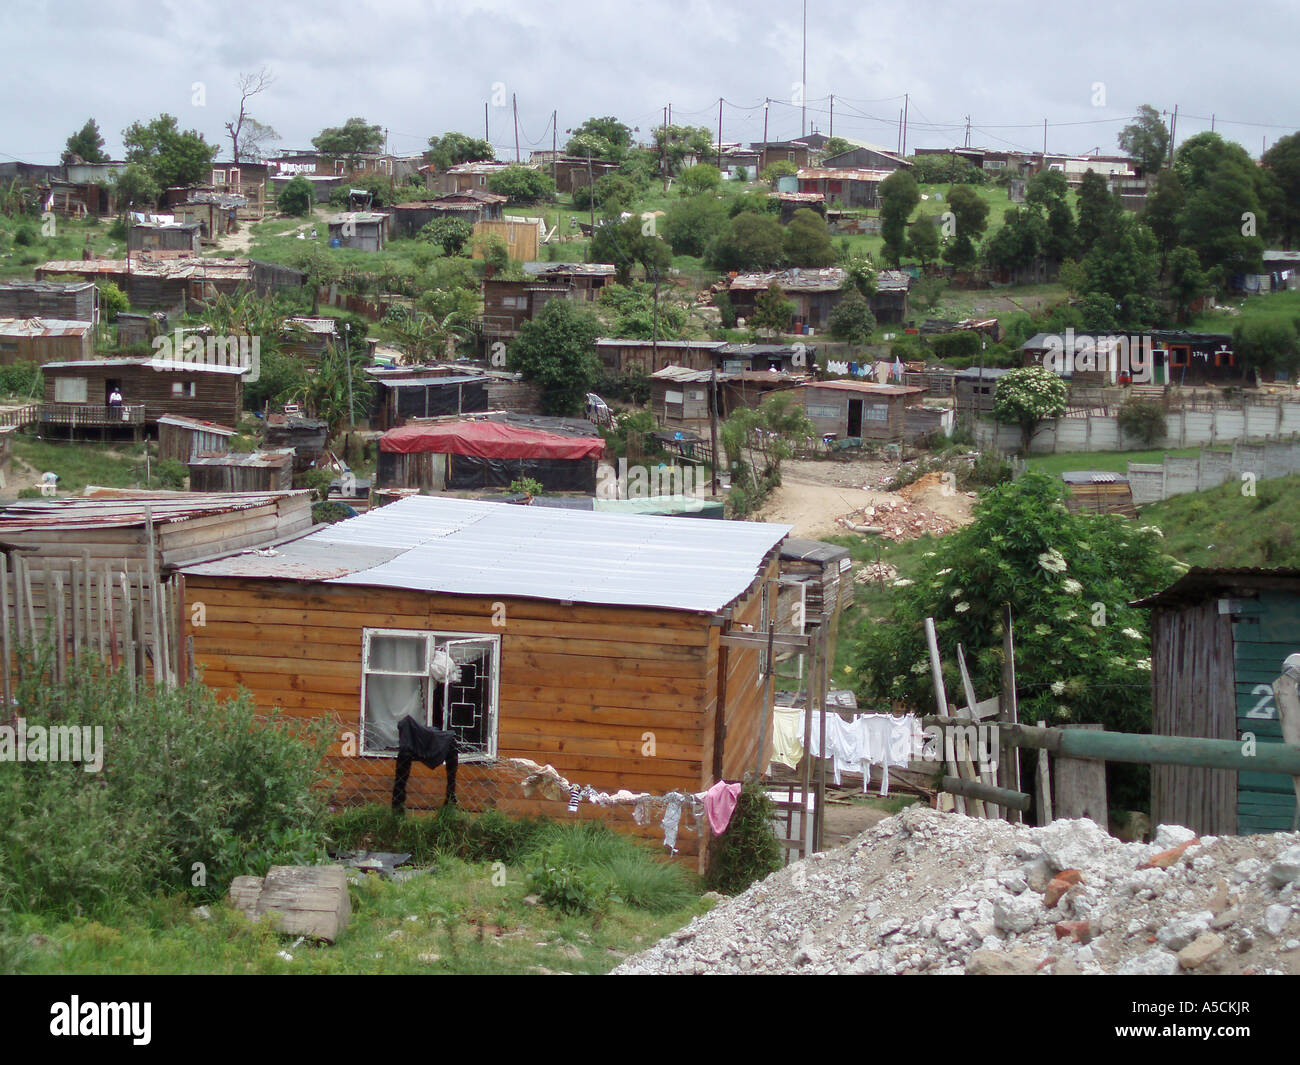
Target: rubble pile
{"x": 926, "y": 892}
{"x": 876, "y": 573}
{"x": 897, "y": 519}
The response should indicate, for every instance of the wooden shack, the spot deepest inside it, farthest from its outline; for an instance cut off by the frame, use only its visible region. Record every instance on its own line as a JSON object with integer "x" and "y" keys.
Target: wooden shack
{"x": 1219, "y": 639}
{"x": 404, "y": 392}
{"x": 182, "y": 439}
{"x": 607, "y": 627}
{"x": 164, "y": 236}
{"x": 75, "y": 391}
{"x": 256, "y": 471}
{"x": 1098, "y": 492}
{"x": 859, "y": 409}
{"x": 45, "y": 340}
{"x": 681, "y": 397}
{"x": 305, "y": 437}
{"x": 68, "y": 301}
{"x": 309, "y": 338}
{"x": 974, "y": 390}
{"x": 107, "y": 533}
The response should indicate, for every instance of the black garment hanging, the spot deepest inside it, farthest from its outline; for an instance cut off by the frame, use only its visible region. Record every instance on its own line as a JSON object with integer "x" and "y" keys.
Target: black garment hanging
{"x": 416, "y": 743}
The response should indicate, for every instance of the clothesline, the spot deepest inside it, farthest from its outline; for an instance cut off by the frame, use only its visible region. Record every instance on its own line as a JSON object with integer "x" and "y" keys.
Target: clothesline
{"x": 853, "y": 746}
{"x": 716, "y": 804}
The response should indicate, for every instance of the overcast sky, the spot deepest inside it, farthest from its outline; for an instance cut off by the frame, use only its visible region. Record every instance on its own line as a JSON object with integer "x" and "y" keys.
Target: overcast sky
{"x": 421, "y": 67}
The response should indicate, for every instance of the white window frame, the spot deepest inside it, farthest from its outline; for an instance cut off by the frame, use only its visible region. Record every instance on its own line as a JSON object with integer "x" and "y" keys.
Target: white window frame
{"x": 435, "y": 639}
{"x": 66, "y": 387}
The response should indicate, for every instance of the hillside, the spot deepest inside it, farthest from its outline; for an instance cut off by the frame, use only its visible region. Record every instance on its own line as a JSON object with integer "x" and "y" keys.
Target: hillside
{"x": 1222, "y": 527}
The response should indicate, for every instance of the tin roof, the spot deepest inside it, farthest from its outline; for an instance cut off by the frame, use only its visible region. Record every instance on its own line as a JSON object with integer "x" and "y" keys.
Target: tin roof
{"x": 841, "y": 174}
{"x": 1199, "y": 583}
{"x": 535, "y": 269}
{"x": 866, "y": 386}
{"x": 467, "y": 547}
{"x": 194, "y": 423}
{"x": 252, "y": 460}
{"x": 160, "y": 365}
{"x": 119, "y": 509}
{"x": 43, "y": 327}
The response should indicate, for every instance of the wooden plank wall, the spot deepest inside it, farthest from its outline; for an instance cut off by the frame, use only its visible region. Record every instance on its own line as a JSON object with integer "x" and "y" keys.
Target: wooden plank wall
{"x": 1193, "y": 695}
{"x": 580, "y": 686}
{"x": 218, "y": 397}
{"x": 1267, "y": 631}
{"x": 746, "y": 693}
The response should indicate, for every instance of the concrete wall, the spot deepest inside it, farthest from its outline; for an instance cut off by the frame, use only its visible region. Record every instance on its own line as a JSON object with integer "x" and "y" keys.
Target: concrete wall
{"x": 1177, "y": 475}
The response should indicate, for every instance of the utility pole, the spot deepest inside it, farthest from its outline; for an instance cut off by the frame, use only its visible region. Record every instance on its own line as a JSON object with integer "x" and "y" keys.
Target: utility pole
{"x": 967, "y": 131}
{"x": 514, "y": 105}
{"x": 719, "y": 134}
{"x": 713, "y": 423}
{"x": 903, "y": 147}
{"x": 1211, "y": 121}
{"x": 1173, "y": 134}
{"x": 487, "y": 136}
{"x": 555, "y": 139}
{"x": 663, "y": 150}
{"x": 900, "y": 131}
{"x": 347, "y": 368}
{"x": 832, "y": 132}
{"x": 762, "y": 155}
{"x": 1044, "y": 142}
{"x": 803, "y": 78}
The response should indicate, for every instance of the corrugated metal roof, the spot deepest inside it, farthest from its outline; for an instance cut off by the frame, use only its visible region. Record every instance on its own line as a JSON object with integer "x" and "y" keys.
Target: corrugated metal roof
{"x": 247, "y": 460}
{"x": 467, "y": 547}
{"x": 194, "y": 423}
{"x": 160, "y": 365}
{"x": 1199, "y": 582}
{"x": 867, "y": 387}
{"x": 43, "y": 327}
{"x": 117, "y": 509}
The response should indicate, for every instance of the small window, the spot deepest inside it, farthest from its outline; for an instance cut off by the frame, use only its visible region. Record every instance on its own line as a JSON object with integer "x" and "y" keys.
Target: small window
{"x": 184, "y": 389}
{"x": 69, "y": 390}
{"x": 445, "y": 680}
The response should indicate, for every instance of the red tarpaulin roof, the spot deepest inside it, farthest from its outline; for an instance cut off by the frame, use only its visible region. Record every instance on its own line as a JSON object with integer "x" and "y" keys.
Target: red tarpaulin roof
{"x": 489, "y": 440}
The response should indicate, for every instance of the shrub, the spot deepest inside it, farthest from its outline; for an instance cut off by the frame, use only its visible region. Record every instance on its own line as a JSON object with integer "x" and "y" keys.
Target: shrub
{"x": 113, "y": 300}
{"x": 1143, "y": 419}
{"x": 963, "y": 343}
{"x": 748, "y": 850}
{"x": 188, "y": 783}
{"x": 296, "y": 197}
{"x": 171, "y": 474}
{"x": 565, "y": 887}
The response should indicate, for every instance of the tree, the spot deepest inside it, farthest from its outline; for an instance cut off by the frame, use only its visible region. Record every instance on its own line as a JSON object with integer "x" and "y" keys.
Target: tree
{"x": 1265, "y": 345}
{"x": 170, "y": 157}
{"x": 557, "y": 351}
{"x": 1222, "y": 215}
{"x": 86, "y": 144}
{"x": 776, "y": 171}
{"x": 851, "y": 319}
{"x": 134, "y": 185}
{"x": 697, "y": 179}
{"x": 451, "y": 234}
{"x": 1027, "y": 396}
{"x": 772, "y": 311}
{"x": 807, "y": 241}
{"x": 1019, "y": 241}
{"x": 923, "y": 240}
{"x": 452, "y": 149}
{"x": 601, "y": 138}
{"x": 297, "y": 197}
{"x": 1068, "y": 579}
{"x": 356, "y": 137}
{"x": 899, "y": 197}
{"x": 1283, "y": 162}
{"x": 612, "y": 192}
{"x": 673, "y": 144}
{"x": 757, "y": 440}
{"x": 1146, "y": 140}
{"x": 1125, "y": 266}
{"x": 1098, "y": 210}
{"x": 749, "y": 242}
{"x": 1187, "y": 282}
{"x": 522, "y": 184}
{"x": 970, "y": 215}
{"x": 1164, "y": 207}
{"x": 248, "y": 136}
{"x": 836, "y": 146}
{"x": 626, "y": 244}
{"x": 1143, "y": 419}
{"x": 1049, "y": 191}
{"x": 690, "y": 224}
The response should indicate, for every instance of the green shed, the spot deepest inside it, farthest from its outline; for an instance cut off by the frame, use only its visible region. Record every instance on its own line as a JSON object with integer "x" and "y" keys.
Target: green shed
{"x": 1219, "y": 640}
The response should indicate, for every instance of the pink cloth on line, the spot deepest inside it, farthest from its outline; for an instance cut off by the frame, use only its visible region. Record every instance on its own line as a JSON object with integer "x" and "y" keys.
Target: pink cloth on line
{"x": 720, "y": 804}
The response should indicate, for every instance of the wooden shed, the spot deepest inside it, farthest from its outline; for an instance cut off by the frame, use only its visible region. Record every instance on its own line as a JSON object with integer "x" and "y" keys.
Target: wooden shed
{"x": 164, "y": 236}
{"x": 1098, "y": 492}
{"x": 257, "y": 471}
{"x": 576, "y": 634}
{"x": 681, "y": 397}
{"x": 45, "y": 340}
{"x": 182, "y": 439}
{"x": 157, "y": 386}
{"x": 975, "y": 389}
{"x": 1219, "y": 639}
{"x": 69, "y": 301}
{"x": 407, "y": 392}
{"x": 859, "y": 409}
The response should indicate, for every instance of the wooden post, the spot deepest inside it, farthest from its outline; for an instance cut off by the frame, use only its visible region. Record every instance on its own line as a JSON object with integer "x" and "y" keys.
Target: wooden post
{"x": 106, "y": 584}
{"x": 74, "y": 595}
{"x": 128, "y": 640}
{"x": 60, "y": 636}
{"x": 941, "y": 700}
{"x": 156, "y": 641}
{"x": 1009, "y": 765}
{"x": 4, "y": 631}
{"x": 1044, "y": 786}
{"x": 27, "y": 598}
{"x": 183, "y": 674}
{"x": 823, "y": 653}
{"x": 1081, "y": 786}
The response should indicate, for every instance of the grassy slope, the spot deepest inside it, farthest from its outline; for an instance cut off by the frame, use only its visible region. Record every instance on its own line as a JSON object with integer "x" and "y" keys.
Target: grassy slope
{"x": 1223, "y": 527}
{"x": 1101, "y": 460}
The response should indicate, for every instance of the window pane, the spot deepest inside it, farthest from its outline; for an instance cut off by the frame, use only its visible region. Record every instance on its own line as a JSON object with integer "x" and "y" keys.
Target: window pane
{"x": 388, "y": 700}
{"x": 469, "y": 700}
{"x": 397, "y": 654}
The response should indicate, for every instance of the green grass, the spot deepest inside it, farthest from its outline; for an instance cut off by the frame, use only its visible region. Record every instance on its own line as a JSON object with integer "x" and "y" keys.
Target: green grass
{"x": 69, "y": 240}
{"x": 1223, "y": 527}
{"x": 79, "y": 464}
{"x": 1102, "y": 460}
{"x": 459, "y": 916}
{"x": 1275, "y": 306}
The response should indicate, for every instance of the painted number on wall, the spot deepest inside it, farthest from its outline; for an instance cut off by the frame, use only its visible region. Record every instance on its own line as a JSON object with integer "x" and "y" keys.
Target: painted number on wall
{"x": 1264, "y": 707}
